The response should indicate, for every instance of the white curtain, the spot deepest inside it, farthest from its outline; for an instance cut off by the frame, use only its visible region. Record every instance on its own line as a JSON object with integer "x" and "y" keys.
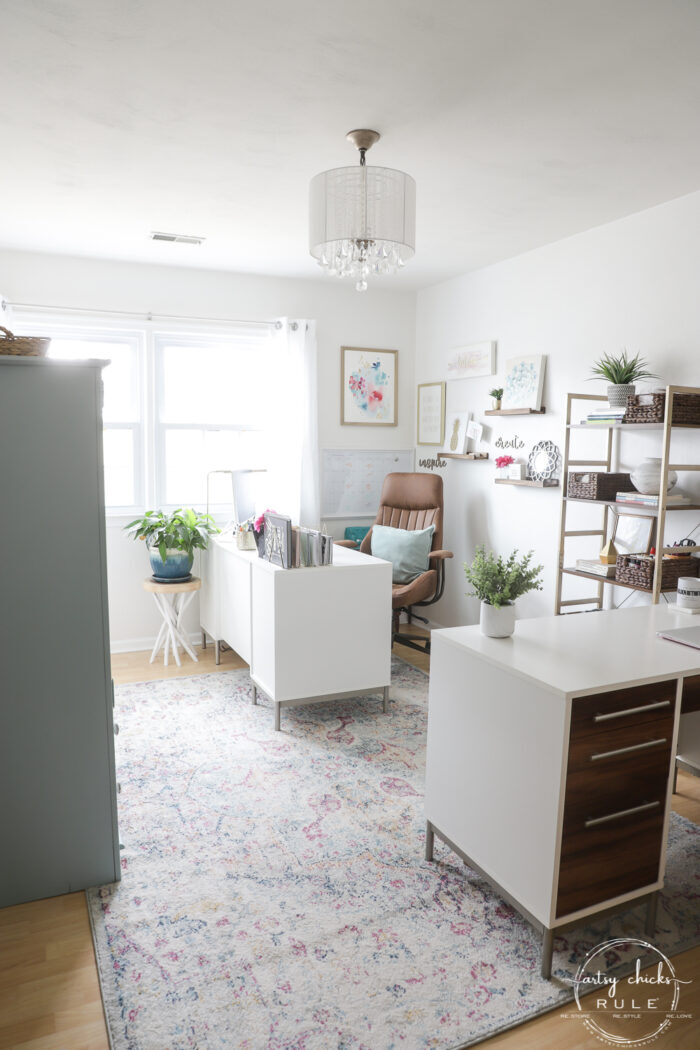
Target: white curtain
{"x": 294, "y": 467}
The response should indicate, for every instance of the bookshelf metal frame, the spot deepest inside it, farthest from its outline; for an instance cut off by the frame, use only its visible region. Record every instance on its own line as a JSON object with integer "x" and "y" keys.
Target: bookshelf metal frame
{"x": 659, "y": 512}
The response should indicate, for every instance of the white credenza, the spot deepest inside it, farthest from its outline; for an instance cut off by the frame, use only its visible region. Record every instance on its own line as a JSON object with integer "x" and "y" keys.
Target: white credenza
{"x": 550, "y": 758}
{"x": 308, "y": 634}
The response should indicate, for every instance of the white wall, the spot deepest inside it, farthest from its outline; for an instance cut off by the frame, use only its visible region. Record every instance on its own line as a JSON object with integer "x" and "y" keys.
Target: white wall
{"x": 632, "y": 283}
{"x": 376, "y": 318}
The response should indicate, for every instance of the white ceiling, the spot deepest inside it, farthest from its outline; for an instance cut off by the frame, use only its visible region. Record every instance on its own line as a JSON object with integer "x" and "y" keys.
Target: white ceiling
{"x": 522, "y": 121}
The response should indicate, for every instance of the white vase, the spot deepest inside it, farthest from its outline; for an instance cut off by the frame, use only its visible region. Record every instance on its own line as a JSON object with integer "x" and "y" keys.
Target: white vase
{"x": 646, "y": 477}
{"x": 497, "y": 623}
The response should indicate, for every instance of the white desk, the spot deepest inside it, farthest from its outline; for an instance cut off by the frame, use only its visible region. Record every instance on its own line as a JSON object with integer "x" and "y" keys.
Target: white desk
{"x": 308, "y": 634}
{"x": 550, "y": 756}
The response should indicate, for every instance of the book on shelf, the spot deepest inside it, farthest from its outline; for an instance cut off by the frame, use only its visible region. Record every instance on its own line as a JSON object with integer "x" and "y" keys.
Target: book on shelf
{"x": 612, "y": 415}
{"x": 644, "y": 499}
{"x": 596, "y": 567}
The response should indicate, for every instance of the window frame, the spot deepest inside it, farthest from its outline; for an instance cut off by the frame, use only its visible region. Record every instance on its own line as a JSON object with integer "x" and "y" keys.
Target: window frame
{"x": 149, "y": 338}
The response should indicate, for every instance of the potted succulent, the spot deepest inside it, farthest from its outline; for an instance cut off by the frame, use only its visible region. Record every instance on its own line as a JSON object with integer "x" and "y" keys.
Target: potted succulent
{"x": 172, "y": 538}
{"x": 497, "y": 582}
{"x": 621, "y": 372}
{"x": 496, "y": 394}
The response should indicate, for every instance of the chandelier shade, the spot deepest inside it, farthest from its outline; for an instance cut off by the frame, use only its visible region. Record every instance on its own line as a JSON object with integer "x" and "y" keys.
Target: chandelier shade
{"x": 362, "y": 220}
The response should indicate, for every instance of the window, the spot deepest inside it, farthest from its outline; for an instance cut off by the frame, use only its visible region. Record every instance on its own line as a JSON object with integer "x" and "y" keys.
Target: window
{"x": 210, "y": 412}
{"x": 176, "y": 406}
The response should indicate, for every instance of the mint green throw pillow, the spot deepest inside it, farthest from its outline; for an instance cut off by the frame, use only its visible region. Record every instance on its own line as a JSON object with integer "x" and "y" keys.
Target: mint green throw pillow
{"x": 408, "y": 551}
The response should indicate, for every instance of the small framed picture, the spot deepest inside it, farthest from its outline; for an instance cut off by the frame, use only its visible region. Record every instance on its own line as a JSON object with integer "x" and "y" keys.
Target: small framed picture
{"x": 468, "y": 362}
{"x": 431, "y": 414}
{"x": 368, "y": 387}
{"x": 633, "y": 533}
{"x": 455, "y": 432}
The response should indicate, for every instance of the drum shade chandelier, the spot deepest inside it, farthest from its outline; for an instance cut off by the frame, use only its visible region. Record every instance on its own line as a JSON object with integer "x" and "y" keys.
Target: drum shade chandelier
{"x": 362, "y": 220}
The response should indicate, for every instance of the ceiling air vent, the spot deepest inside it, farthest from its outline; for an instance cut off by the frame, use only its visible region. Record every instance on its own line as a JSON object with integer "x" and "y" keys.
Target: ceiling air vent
{"x": 176, "y": 238}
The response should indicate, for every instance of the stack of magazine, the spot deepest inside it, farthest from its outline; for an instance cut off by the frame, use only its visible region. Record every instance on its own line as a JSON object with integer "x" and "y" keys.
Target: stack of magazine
{"x": 643, "y": 499}
{"x": 311, "y": 547}
{"x": 607, "y": 417}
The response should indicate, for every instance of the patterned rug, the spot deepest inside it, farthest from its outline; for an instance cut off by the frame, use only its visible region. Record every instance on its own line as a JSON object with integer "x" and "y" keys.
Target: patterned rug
{"x": 274, "y": 893}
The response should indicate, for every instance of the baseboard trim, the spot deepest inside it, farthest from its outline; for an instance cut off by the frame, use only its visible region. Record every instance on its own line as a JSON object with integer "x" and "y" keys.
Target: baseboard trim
{"x": 137, "y": 645}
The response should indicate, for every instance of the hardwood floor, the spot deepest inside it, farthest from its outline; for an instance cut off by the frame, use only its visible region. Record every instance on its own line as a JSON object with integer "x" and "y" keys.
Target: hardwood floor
{"x": 49, "y": 991}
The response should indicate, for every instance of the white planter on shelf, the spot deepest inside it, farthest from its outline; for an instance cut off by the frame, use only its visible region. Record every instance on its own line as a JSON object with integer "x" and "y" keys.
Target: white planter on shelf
{"x": 497, "y": 623}
{"x": 646, "y": 476}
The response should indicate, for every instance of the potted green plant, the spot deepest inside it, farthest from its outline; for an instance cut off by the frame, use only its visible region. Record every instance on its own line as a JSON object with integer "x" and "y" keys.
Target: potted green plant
{"x": 172, "y": 539}
{"x": 496, "y": 394}
{"x": 497, "y": 582}
{"x": 621, "y": 372}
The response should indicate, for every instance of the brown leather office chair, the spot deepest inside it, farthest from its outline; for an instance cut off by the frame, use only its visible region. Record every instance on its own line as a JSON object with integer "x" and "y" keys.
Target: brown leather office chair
{"x": 413, "y": 501}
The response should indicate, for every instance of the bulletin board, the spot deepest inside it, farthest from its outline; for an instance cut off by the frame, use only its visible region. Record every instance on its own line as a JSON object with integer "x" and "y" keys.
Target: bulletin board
{"x": 351, "y": 479}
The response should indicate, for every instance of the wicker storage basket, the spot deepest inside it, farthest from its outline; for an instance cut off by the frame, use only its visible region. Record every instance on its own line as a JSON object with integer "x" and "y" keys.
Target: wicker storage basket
{"x": 592, "y": 485}
{"x": 22, "y": 345}
{"x": 638, "y": 569}
{"x": 651, "y": 408}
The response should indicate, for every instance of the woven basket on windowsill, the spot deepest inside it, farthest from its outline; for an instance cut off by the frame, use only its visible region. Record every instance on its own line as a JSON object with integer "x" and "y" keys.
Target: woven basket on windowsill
{"x": 22, "y": 345}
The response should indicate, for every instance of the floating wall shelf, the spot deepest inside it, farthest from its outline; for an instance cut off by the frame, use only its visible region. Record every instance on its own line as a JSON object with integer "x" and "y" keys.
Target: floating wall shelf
{"x": 515, "y": 411}
{"x": 463, "y": 455}
{"x": 550, "y": 483}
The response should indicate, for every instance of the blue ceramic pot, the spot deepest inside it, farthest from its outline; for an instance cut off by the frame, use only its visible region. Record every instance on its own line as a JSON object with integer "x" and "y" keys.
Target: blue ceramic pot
{"x": 176, "y": 565}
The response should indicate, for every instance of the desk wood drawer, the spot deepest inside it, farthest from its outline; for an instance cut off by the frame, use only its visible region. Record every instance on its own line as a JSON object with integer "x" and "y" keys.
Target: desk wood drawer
{"x": 610, "y": 854}
{"x": 623, "y": 743}
{"x": 591, "y": 715}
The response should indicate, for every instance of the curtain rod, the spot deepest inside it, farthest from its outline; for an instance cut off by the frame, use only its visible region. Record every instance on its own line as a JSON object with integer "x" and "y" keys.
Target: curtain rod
{"x": 140, "y": 314}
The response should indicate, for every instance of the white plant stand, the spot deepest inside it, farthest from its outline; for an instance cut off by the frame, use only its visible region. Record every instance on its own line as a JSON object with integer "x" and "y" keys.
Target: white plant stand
{"x": 171, "y": 601}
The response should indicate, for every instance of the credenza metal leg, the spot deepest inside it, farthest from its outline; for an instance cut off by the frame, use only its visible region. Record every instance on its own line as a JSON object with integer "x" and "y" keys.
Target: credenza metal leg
{"x": 204, "y": 639}
{"x": 650, "y": 924}
{"x": 675, "y": 778}
{"x": 217, "y": 650}
{"x": 255, "y": 694}
{"x": 385, "y": 700}
{"x": 429, "y": 840}
{"x": 547, "y": 948}
{"x": 278, "y": 712}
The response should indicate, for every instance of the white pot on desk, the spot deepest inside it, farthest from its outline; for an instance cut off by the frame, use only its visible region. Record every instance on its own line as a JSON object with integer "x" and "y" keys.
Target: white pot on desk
{"x": 497, "y": 623}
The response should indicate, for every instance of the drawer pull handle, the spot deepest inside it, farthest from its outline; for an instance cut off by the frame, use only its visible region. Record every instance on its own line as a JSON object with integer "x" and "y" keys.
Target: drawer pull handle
{"x": 622, "y": 813}
{"x": 632, "y": 711}
{"x": 629, "y": 750}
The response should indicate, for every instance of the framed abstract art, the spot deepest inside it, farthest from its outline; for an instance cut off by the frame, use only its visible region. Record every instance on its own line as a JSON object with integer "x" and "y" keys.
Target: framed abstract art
{"x": 368, "y": 387}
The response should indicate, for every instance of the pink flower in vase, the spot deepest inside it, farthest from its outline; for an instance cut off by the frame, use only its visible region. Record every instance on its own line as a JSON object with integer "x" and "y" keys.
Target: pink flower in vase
{"x": 260, "y": 521}
{"x": 504, "y": 461}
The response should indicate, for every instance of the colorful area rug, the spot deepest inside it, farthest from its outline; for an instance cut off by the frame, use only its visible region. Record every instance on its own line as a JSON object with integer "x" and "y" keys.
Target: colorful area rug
{"x": 274, "y": 893}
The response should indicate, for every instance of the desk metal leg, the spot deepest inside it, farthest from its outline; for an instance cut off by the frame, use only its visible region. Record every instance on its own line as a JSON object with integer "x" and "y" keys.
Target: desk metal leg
{"x": 385, "y": 700}
{"x": 278, "y": 712}
{"x": 650, "y": 924}
{"x": 547, "y": 949}
{"x": 429, "y": 840}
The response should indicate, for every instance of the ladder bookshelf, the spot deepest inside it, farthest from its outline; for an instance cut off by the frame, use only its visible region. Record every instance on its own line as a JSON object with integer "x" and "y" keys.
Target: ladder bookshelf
{"x": 659, "y": 512}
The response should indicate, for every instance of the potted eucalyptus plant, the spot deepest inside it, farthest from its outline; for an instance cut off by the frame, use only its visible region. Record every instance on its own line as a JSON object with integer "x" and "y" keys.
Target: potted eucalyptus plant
{"x": 621, "y": 372}
{"x": 497, "y": 582}
{"x": 172, "y": 539}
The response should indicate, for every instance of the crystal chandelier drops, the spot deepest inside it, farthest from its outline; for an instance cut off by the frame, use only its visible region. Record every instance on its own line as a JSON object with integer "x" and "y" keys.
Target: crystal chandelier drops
{"x": 362, "y": 220}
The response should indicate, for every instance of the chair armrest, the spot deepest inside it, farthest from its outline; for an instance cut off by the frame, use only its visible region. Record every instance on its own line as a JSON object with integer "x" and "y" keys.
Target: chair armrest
{"x": 441, "y": 554}
{"x": 353, "y": 544}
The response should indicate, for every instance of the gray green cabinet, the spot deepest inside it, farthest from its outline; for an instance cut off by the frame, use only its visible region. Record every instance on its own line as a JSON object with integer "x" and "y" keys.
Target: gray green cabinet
{"x": 58, "y": 812}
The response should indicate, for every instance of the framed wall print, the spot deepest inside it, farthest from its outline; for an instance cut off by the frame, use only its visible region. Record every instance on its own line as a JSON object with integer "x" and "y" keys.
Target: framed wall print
{"x": 633, "y": 533}
{"x": 456, "y": 432}
{"x": 522, "y": 387}
{"x": 368, "y": 387}
{"x": 468, "y": 362}
{"x": 431, "y": 414}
